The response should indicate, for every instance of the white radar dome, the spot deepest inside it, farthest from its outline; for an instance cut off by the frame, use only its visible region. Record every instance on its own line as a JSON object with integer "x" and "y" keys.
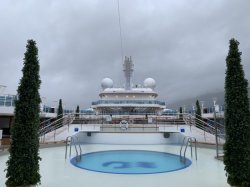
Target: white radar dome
{"x": 149, "y": 83}
{"x": 107, "y": 83}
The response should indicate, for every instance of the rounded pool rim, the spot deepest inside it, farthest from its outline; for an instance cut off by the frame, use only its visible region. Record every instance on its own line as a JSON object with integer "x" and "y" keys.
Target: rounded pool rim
{"x": 187, "y": 163}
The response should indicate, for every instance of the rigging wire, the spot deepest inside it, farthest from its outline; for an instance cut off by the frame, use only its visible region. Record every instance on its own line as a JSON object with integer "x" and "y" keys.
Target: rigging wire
{"x": 119, "y": 18}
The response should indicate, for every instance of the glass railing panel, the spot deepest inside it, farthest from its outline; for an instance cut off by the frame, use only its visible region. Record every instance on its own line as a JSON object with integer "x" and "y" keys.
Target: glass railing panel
{"x": 128, "y": 102}
{"x": 7, "y": 100}
{"x": 1, "y": 102}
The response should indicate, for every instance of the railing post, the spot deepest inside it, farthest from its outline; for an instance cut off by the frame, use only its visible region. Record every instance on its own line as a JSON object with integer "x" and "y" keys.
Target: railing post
{"x": 195, "y": 148}
{"x": 191, "y": 146}
{"x": 44, "y": 137}
{"x": 202, "y": 124}
{"x": 191, "y": 122}
{"x": 55, "y": 135}
{"x": 216, "y": 135}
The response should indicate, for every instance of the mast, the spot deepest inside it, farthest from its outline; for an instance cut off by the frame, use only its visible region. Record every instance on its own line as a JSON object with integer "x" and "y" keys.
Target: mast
{"x": 128, "y": 68}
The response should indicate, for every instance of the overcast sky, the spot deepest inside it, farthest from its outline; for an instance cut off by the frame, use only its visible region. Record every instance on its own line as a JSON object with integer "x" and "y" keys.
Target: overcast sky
{"x": 182, "y": 44}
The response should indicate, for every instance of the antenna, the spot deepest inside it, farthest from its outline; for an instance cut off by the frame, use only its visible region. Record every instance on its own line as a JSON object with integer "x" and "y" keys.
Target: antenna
{"x": 119, "y": 19}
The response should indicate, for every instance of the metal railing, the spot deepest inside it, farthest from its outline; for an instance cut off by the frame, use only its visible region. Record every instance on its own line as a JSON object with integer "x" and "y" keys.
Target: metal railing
{"x": 51, "y": 125}
{"x": 140, "y": 123}
{"x": 208, "y": 126}
{"x": 132, "y": 119}
{"x": 70, "y": 140}
{"x": 205, "y": 124}
{"x": 187, "y": 140}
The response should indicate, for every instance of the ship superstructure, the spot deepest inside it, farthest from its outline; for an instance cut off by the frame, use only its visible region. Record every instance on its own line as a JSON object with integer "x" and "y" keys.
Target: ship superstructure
{"x": 129, "y": 99}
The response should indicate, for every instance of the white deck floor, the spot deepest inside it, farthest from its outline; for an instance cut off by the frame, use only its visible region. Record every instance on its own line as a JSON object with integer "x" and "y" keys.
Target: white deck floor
{"x": 56, "y": 172}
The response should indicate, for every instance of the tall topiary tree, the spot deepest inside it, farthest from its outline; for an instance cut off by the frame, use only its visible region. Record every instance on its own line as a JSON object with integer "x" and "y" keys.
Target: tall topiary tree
{"x": 198, "y": 109}
{"x": 77, "y": 111}
{"x": 60, "y": 113}
{"x": 23, "y": 164}
{"x": 237, "y": 120}
{"x": 180, "y": 111}
{"x": 198, "y": 113}
{"x": 60, "y": 109}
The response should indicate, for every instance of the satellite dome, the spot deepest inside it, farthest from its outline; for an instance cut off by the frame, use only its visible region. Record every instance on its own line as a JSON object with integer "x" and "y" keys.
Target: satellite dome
{"x": 107, "y": 83}
{"x": 149, "y": 83}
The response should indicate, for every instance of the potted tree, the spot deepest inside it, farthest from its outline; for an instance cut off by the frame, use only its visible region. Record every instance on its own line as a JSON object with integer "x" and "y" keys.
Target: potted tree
{"x": 23, "y": 163}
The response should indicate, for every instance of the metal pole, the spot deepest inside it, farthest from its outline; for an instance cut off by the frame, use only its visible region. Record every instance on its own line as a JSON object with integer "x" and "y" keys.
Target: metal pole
{"x": 216, "y": 135}
{"x": 204, "y": 131}
{"x": 191, "y": 146}
{"x": 195, "y": 148}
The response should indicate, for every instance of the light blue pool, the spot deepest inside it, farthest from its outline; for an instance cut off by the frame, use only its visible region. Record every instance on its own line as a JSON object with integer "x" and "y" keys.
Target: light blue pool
{"x": 130, "y": 162}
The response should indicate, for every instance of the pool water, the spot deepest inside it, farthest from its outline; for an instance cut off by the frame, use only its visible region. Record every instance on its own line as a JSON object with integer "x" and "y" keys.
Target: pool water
{"x": 130, "y": 162}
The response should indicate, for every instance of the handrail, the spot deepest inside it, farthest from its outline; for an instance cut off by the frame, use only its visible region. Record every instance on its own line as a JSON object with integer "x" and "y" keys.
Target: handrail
{"x": 47, "y": 121}
{"x": 219, "y": 125}
{"x": 53, "y": 126}
{"x": 189, "y": 140}
{"x": 69, "y": 141}
{"x": 200, "y": 123}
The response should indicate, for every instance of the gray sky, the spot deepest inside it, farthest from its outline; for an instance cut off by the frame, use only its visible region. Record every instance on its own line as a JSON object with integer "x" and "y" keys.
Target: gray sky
{"x": 182, "y": 44}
